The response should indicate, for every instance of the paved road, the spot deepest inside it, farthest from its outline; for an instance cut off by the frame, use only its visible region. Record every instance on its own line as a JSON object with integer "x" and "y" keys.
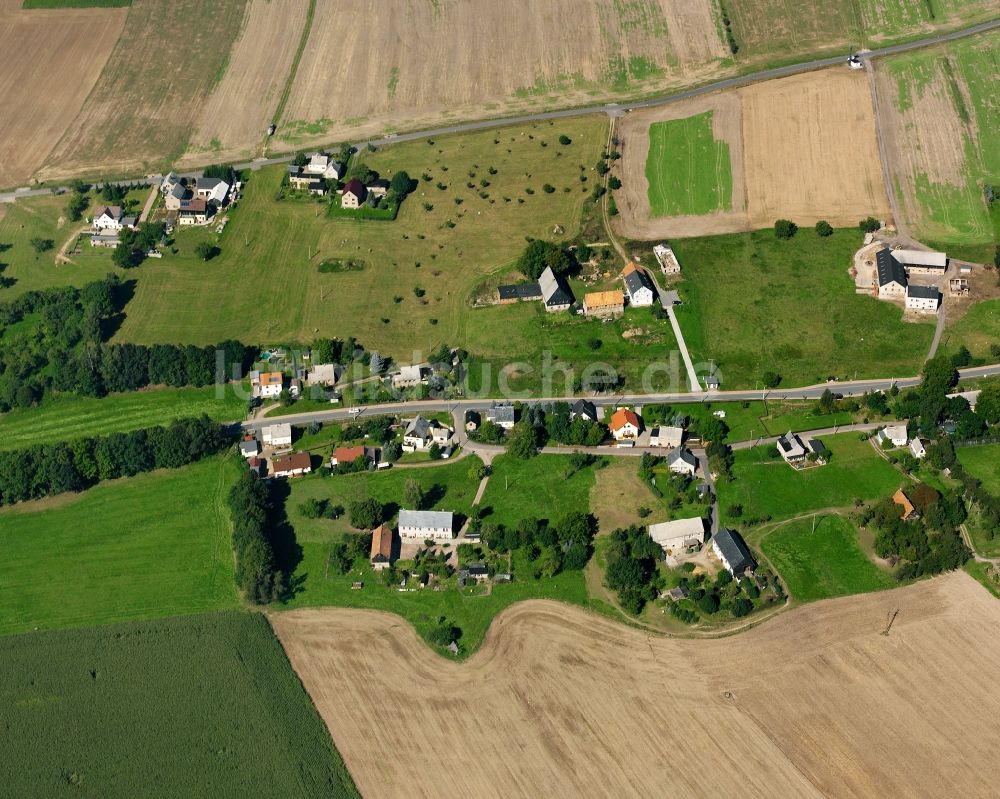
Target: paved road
{"x": 938, "y": 331}
{"x": 860, "y": 427}
{"x": 613, "y": 109}
{"x": 853, "y": 388}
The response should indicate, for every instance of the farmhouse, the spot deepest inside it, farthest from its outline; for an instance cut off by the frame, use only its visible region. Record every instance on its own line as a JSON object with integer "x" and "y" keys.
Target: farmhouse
{"x": 111, "y": 217}
{"x": 732, "y": 550}
{"x": 301, "y": 180}
{"x": 604, "y": 303}
{"x": 321, "y": 165}
{"x": 640, "y": 289}
{"x": 556, "y": 295}
{"x": 175, "y": 195}
{"x": 408, "y": 377}
{"x": 678, "y": 534}
{"x": 381, "y": 550}
{"x": 920, "y": 262}
{"x": 291, "y": 465}
{"x": 895, "y": 434}
{"x": 192, "y": 212}
{"x": 924, "y": 299}
{"x": 421, "y": 433}
{"x": 585, "y": 409}
{"x": 625, "y": 425}
{"x": 890, "y": 275}
{"x": 354, "y": 194}
{"x": 908, "y": 512}
{"x": 277, "y": 435}
{"x": 664, "y": 436}
{"x": 501, "y": 414}
{"x": 266, "y": 384}
{"x": 682, "y": 461}
{"x": 667, "y": 260}
{"x": 212, "y": 190}
{"x": 435, "y": 524}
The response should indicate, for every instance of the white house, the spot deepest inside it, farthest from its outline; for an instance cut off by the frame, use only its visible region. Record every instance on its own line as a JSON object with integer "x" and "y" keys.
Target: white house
{"x": 731, "y": 549}
{"x": 277, "y": 435}
{"x": 625, "y": 425}
{"x": 894, "y": 433}
{"x": 108, "y": 217}
{"x": 918, "y": 447}
{"x": 678, "y": 534}
{"x": 664, "y": 436}
{"x": 924, "y": 299}
{"x": 417, "y": 434}
{"x": 266, "y": 384}
{"x": 292, "y": 465}
{"x": 211, "y": 190}
{"x": 249, "y": 448}
{"x": 667, "y": 259}
{"x": 638, "y": 286}
{"x": 192, "y": 212}
{"x": 323, "y": 166}
{"x": 890, "y": 275}
{"x": 436, "y": 524}
{"x": 501, "y": 414}
{"x": 354, "y": 194}
{"x": 682, "y": 461}
{"x": 791, "y": 448}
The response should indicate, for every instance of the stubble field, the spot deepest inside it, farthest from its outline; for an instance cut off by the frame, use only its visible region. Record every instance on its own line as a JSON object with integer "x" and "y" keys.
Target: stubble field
{"x": 802, "y": 147}
{"x": 73, "y": 45}
{"x": 815, "y": 703}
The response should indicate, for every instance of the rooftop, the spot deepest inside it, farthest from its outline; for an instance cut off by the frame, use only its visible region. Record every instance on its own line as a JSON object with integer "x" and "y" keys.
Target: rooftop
{"x": 604, "y": 299}
{"x": 439, "y": 519}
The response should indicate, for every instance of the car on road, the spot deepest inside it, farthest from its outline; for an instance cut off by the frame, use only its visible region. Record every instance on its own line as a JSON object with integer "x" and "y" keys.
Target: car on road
{"x": 354, "y": 411}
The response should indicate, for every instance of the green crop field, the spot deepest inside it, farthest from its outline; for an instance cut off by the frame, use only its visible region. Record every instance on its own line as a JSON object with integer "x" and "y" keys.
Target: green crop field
{"x": 265, "y": 285}
{"x": 754, "y": 303}
{"x": 65, "y": 417}
{"x": 197, "y": 706}
{"x": 953, "y": 90}
{"x": 153, "y": 545}
{"x": 688, "y": 169}
{"x": 822, "y": 562}
{"x": 769, "y": 487}
{"x": 978, "y": 329}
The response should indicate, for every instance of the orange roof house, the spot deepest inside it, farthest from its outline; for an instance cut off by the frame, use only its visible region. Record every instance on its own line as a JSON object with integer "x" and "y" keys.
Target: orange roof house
{"x": 909, "y": 512}
{"x": 347, "y": 454}
{"x": 381, "y": 552}
{"x": 625, "y": 424}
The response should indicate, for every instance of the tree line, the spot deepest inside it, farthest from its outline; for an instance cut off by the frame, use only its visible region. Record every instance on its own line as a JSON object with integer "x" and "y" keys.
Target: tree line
{"x": 48, "y": 469}
{"x": 251, "y": 509}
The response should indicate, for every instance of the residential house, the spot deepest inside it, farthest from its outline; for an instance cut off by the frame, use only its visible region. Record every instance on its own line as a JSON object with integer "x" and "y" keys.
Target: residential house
{"x": 111, "y": 217}
{"x": 378, "y": 187}
{"x": 909, "y": 513}
{"x": 266, "y": 384}
{"x": 639, "y": 287}
{"x": 625, "y": 425}
{"x": 584, "y": 408}
{"x": 972, "y": 397}
{"x": 170, "y": 181}
{"x": 277, "y": 436}
{"x": 438, "y": 525}
{"x": 192, "y": 212}
{"x": 173, "y": 198}
{"x": 322, "y": 165}
{"x": 712, "y": 382}
{"x": 354, "y": 194}
{"x": 679, "y": 534}
{"x": 417, "y": 434}
{"x": 682, "y": 461}
{"x": 381, "y": 550}
{"x": 249, "y": 447}
{"x": 323, "y": 374}
{"x": 472, "y": 420}
{"x": 890, "y": 275}
{"x": 345, "y": 455}
{"x": 677, "y": 594}
{"x": 731, "y": 549}
{"x": 604, "y": 303}
{"x": 409, "y": 376}
{"x": 664, "y": 436}
{"x": 924, "y": 299}
{"x": 212, "y": 190}
{"x": 556, "y": 295}
{"x": 501, "y": 414}
{"x": 667, "y": 260}
{"x": 918, "y": 447}
{"x": 791, "y": 448}
{"x": 476, "y": 572}
{"x": 894, "y": 433}
{"x": 300, "y": 180}
{"x": 294, "y": 465}
{"x": 921, "y": 262}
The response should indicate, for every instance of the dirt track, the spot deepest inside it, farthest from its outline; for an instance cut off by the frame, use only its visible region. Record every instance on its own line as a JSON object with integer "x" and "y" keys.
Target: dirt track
{"x": 806, "y": 151}
{"x": 559, "y": 701}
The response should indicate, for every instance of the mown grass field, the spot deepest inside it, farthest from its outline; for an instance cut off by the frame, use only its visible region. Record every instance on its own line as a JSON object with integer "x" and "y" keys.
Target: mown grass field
{"x": 148, "y": 546}
{"x": 200, "y": 706}
{"x": 822, "y": 561}
{"x": 65, "y": 417}
{"x": 537, "y": 487}
{"x": 265, "y": 286}
{"x": 688, "y": 169}
{"x": 978, "y": 330}
{"x": 769, "y": 487}
{"x": 754, "y": 303}
{"x": 983, "y": 463}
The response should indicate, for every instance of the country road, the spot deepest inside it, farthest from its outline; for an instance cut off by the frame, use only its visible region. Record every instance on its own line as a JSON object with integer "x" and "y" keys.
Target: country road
{"x": 612, "y": 109}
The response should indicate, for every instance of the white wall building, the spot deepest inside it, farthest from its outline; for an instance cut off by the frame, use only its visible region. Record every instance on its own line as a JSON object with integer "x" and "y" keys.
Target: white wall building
{"x": 922, "y": 298}
{"x": 678, "y": 534}
{"x": 277, "y": 435}
{"x": 421, "y": 524}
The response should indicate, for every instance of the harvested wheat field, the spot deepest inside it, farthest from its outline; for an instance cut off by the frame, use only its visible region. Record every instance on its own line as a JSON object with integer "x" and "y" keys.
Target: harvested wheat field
{"x": 140, "y": 113}
{"x": 371, "y": 67}
{"x": 39, "y": 103}
{"x": 234, "y": 118}
{"x": 802, "y": 147}
{"x": 815, "y": 703}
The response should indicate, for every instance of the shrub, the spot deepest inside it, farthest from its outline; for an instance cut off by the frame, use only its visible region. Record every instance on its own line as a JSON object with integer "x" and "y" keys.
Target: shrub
{"x": 869, "y": 225}
{"x": 564, "y": 140}
{"x": 548, "y": 188}
{"x": 614, "y": 183}
{"x": 785, "y": 228}
{"x": 824, "y": 228}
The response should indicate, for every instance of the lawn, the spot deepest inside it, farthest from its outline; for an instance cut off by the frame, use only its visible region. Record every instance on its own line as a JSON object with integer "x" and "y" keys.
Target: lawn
{"x": 265, "y": 284}
{"x": 198, "y": 706}
{"x": 754, "y": 303}
{"x": 688, "y": 169}
{"x": 819, "y": 557}
{"x": 536, "y": 487}
{"x": 983, "y": 463}
{"x": 153, "y": 545}
{"x": 65, "y": 417}
{"x": 978, "y": 329}
{"x": 768, "y": 487}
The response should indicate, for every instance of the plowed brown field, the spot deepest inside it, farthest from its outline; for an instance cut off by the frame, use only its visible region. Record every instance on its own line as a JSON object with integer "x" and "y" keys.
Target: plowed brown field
{"x": 49, "y": 62}
{"x": 558, "y": 702}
